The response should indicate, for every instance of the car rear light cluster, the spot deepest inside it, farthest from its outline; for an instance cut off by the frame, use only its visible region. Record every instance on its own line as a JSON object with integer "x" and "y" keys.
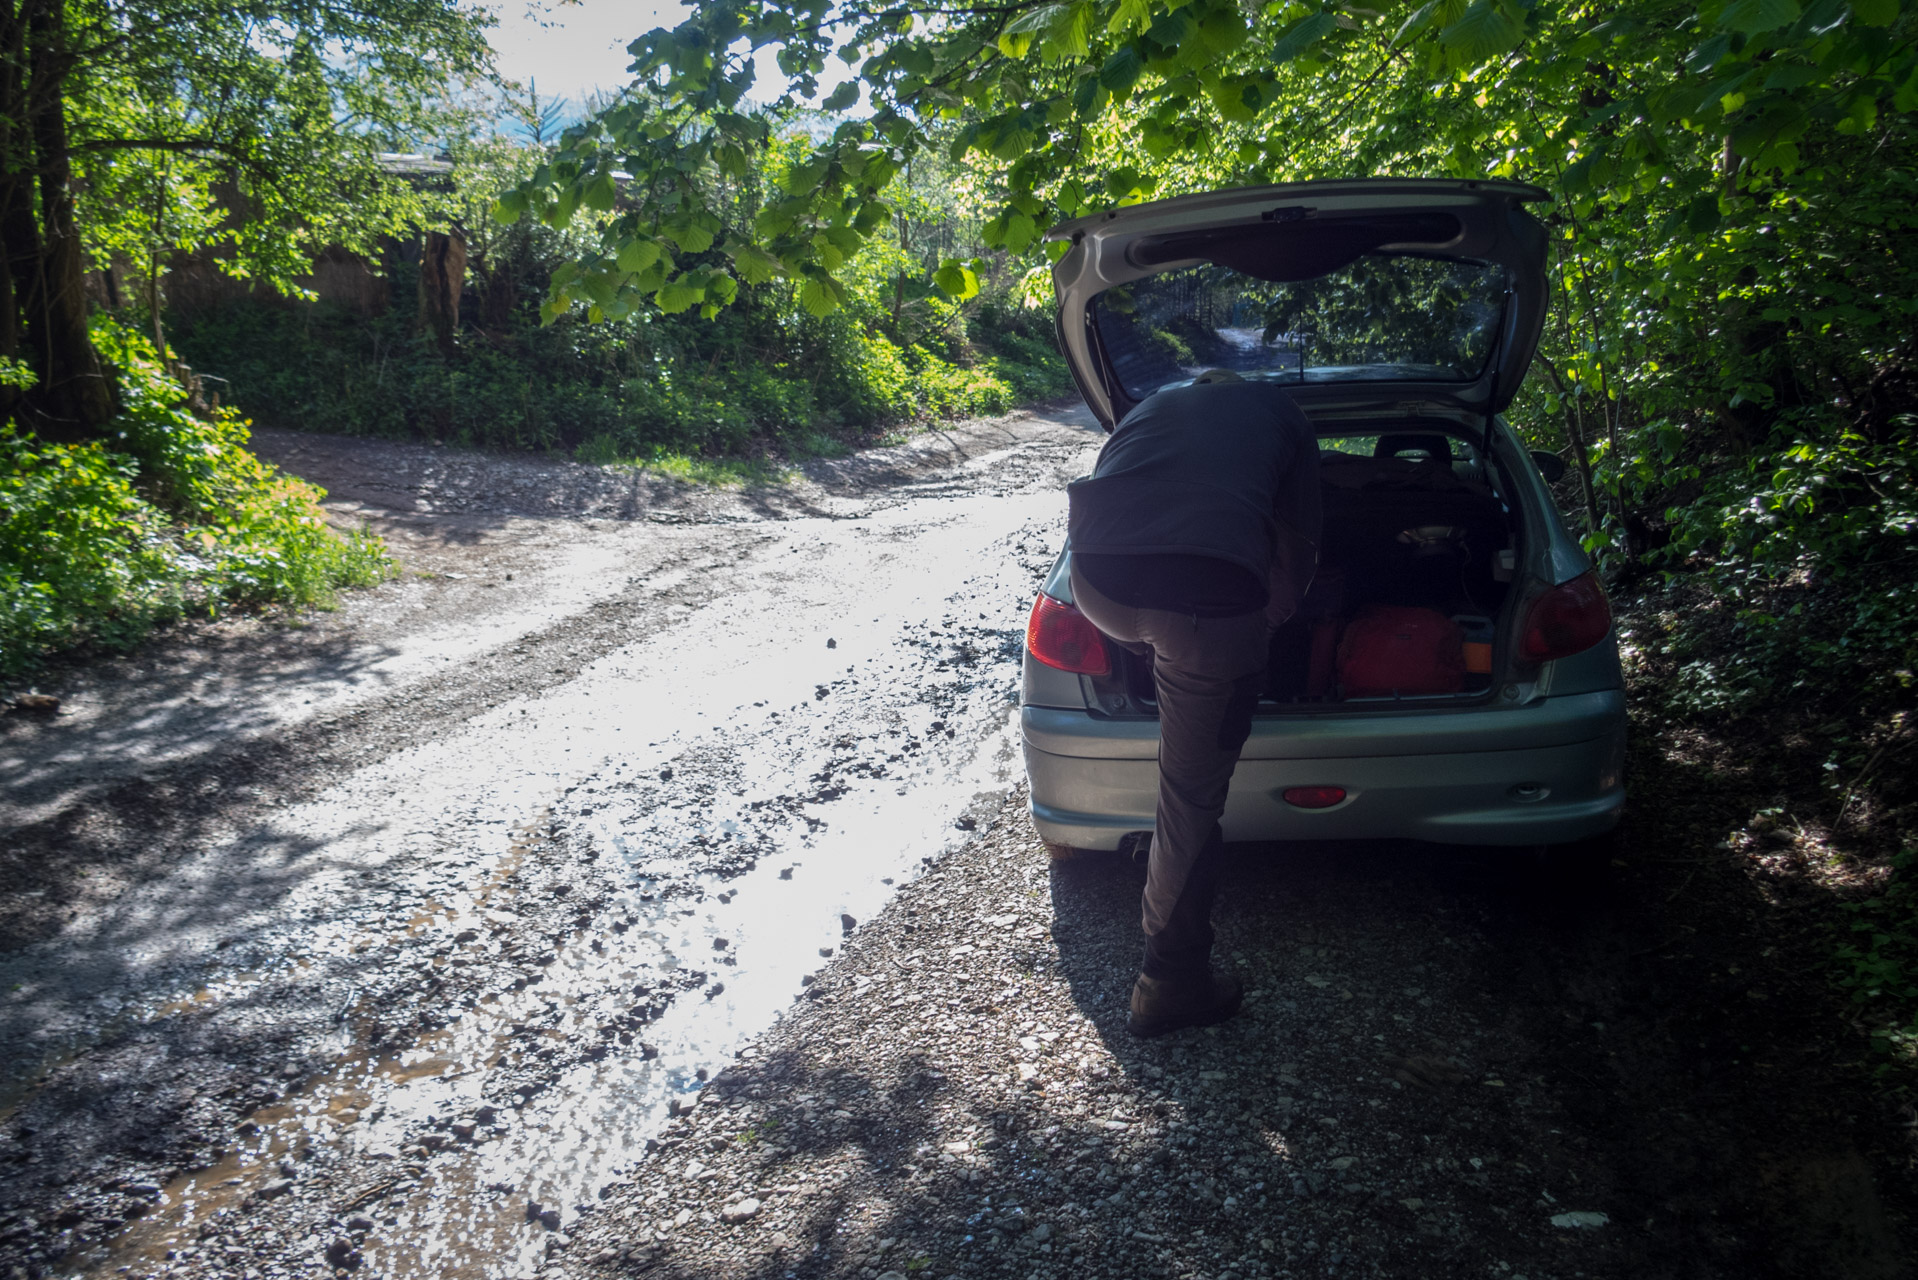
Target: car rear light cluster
{"x": 1568, "y": 619}
{"x": 1060, "y": 636}
{"x": 1314, "y": 797}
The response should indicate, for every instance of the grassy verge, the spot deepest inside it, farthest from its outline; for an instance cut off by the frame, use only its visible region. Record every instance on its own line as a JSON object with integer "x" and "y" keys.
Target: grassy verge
{"x": 172, "y": 515}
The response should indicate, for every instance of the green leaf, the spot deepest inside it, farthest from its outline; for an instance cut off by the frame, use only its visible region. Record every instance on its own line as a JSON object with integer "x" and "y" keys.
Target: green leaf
{"x": 1302, "y": 35}
{"x": 879, "y": 171}
{"x": 597, "y": 286}
{"x": 1906, "y": 99}
{"x": 510, "y": 206}
{"x": 1122, "y": 70}
{"x": 1229, "y": 100}
{"x": 1020, "y": 232}
{"x": 689, "y": 231}
{"x": 1085, "y": 97}
{"x": 1421, "y": 18}
{"x": 1875, "y": 13}
{"x": 1789, "y": 75}
{"x": 1754, "y": 17}
{"x": 1008, "y": 137}
{"x": 1017, "y": 39}
{"x": 678, "y": 296}
{"x": 1130, "y": 15}
{"x": 847, "y": 239}
{"x": 754, "y": 265}
{"x": 842, "y": 97}
{"x": 1482, "y": 32}
{"x": 956, "y": 279}
{"x": 654, "y": 276}
{"x": 601, "y": 194}
{"x": 638, "y": 254}
{"x": 818, "y": 296}
{"x": 963, "y": 142}
{"x": 1068, "y": 38}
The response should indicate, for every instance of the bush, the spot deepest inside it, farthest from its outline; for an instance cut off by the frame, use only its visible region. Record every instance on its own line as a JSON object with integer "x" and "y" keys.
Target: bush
{"x": 99, "y": 544}
{"x": 1878, "y": 964}
{"x": 81, "y": 554}
{"x": 1810, "y": 547}
{"x": 762, "y": 376}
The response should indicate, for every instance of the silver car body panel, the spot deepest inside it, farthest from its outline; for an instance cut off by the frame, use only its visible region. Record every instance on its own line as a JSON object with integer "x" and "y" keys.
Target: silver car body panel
{"x": 1542, "y": 795}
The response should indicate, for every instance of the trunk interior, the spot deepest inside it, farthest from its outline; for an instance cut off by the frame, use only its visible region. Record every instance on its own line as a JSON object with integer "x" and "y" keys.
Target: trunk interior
{"x": 1418, "y": 543}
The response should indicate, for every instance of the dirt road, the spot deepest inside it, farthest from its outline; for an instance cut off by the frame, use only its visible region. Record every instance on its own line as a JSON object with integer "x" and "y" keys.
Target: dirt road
{"x": 395, "y": 944}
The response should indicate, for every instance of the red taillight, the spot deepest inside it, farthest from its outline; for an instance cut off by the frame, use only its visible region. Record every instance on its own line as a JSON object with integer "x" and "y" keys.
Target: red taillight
{"x": 1314, "y": 797}
{"x": 1568, "y": 619}
{"x": 1060, "y": 636}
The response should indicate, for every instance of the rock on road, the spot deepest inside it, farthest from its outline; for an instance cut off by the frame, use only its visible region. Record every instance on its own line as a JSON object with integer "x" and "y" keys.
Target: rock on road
{"x": 640, "y": 885}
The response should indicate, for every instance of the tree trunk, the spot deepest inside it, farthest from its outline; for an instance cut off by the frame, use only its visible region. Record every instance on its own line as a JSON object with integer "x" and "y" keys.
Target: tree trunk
{"x": 442, "y": 277}
{"x": 19, "y": 234}
{"x": 1575, "y": 427}
{"x": 74, "y": 396}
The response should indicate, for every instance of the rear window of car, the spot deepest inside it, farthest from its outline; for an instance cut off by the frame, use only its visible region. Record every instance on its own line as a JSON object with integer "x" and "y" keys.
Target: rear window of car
{"x": 1383, "y": 317}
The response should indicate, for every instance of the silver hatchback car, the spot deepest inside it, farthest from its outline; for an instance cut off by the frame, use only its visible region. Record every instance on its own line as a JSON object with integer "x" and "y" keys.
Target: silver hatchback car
{"x": 1401, "y": 315}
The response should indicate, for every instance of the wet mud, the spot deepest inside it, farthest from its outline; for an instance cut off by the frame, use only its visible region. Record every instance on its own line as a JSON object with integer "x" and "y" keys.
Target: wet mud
{"x": 457, "y": 985}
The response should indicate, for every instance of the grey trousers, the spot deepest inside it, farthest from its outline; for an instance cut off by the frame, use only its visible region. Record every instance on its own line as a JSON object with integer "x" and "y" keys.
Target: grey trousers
{"x": 1208, "y": 673}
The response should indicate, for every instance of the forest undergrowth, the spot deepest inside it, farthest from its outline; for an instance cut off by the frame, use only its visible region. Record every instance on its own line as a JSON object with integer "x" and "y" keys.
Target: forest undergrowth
{"x": 169, "y": 516}
{"x": 1800, "y": 778}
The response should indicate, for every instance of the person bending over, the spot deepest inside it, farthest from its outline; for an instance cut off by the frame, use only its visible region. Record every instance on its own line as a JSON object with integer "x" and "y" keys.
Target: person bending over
{"x": 1196, "y": 534}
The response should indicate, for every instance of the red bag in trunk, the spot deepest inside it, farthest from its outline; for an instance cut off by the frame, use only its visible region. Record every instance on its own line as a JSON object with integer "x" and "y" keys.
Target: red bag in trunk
{"x": 1389, "y": 649}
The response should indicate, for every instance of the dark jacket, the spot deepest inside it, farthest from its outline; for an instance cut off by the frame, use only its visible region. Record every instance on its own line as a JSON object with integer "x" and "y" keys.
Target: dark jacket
{"x": 1225, "y": 470}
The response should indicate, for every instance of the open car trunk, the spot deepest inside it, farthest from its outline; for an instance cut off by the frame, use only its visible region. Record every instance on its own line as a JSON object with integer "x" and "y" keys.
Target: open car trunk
{"x": 1413, "y": 522}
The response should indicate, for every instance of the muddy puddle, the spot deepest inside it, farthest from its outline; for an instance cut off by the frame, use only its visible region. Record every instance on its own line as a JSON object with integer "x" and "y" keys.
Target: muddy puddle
{"x": 707, "y": 817}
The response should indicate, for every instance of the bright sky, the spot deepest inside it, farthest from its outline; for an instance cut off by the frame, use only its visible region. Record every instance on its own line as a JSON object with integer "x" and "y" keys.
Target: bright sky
{"x": 572, "y": 49}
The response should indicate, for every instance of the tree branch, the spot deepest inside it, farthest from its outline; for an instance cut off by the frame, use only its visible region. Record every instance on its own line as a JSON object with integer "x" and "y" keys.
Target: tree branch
{"x": 161, "y": 144}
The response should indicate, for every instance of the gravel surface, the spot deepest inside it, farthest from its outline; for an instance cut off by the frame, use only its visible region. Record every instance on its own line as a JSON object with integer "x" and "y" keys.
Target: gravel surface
{"x": 1425, "y": 1081}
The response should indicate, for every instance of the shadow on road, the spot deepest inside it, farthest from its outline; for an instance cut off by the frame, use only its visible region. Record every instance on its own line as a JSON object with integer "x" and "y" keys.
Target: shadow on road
{"x": 1527, "y": 1017}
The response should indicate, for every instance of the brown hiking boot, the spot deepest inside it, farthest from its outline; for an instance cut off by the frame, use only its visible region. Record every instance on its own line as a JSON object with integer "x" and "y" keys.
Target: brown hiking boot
{"x": 1160, "y": 1005}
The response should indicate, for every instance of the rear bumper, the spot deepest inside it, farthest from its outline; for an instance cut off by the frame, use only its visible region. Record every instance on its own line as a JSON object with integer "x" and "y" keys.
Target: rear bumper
{"x": 1539, "y": 775}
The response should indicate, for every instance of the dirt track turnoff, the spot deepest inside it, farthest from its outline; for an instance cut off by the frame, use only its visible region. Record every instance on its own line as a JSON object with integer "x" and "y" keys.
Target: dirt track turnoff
{"x": 639, "y": 885}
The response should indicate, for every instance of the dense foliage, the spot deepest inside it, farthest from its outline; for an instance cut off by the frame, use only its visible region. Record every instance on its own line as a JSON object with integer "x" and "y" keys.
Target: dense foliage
{"x": 133, "y": 132}
{"x": 134, "y": 129}
{"x": 101, "y": 540}
{"x": 765, "y": 378}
